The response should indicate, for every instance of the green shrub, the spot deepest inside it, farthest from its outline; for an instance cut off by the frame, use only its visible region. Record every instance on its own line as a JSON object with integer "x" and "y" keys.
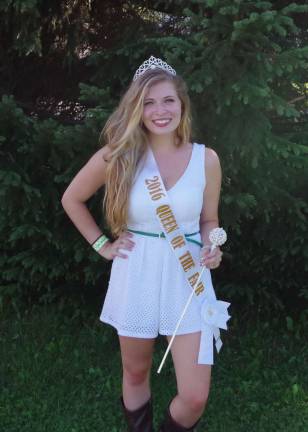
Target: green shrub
{"x": 41, "y": 251}
{"x": 245, "y": 65}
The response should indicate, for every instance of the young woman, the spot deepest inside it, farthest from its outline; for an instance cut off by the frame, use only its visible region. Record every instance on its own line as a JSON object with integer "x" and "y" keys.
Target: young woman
{"x": 147, "y": 289}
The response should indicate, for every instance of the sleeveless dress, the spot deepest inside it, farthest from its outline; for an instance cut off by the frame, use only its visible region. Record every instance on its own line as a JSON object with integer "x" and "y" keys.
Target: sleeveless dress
{"x": 147, "y": 291}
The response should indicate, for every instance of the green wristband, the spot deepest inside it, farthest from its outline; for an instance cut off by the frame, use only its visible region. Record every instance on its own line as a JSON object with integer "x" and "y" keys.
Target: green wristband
{"x": 100, "y": 242}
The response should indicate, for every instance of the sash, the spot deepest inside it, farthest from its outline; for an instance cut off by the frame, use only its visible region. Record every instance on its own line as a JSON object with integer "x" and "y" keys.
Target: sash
{"x": 212, "y": 311}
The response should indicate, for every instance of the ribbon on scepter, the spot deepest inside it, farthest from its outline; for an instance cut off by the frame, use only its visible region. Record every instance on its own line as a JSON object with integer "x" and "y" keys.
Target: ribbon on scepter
{"x": 214, "y": 312}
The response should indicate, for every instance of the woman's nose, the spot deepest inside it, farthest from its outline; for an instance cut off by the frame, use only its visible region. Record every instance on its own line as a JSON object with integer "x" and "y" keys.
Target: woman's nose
{"x": 160, "y": 109}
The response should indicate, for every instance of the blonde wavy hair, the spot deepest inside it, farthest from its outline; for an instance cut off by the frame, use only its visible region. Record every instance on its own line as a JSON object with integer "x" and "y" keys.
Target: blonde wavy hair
{"x": 126, "y": 136}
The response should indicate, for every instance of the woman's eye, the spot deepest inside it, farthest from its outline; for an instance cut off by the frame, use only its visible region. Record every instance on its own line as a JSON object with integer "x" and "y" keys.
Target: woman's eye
{"x": 148, "y": 103}
{"x": 169, "y": 100}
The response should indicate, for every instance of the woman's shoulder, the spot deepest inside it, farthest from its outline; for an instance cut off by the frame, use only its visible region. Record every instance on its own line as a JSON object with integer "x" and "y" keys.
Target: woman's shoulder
{"x": 105, "y": 153}
{"x": 211, "y": 159}
{"x": 210, "y": 155}
{"x": 102, "y": 154}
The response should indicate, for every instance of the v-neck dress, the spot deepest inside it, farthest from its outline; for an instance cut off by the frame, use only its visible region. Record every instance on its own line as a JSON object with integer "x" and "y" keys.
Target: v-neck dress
{"x": 147, "y": 291}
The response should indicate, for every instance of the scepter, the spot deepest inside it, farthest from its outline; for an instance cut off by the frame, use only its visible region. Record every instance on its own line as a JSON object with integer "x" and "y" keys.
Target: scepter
{"x": 217, "y": 237}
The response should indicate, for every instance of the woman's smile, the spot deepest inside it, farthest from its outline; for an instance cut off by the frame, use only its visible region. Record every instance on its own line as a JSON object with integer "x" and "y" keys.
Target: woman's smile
{"x": 162, "y": 122}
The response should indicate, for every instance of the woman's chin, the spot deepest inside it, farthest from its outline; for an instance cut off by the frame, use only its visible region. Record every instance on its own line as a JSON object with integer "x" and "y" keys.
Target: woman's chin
{"x": 162, "y": 131}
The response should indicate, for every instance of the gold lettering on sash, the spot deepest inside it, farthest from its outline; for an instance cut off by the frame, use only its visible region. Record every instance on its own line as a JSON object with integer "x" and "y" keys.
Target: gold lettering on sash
{"x": 169, "y": 223}
{"x": 154, "y": 187}
{"x": 163, "y": 209}
{"x": 178, "y": 242}
{"x": 199, "y": 288}
{"x": 193, "y": 279}
{"x": 187, "y": 261}
{"x": 167, "y": 218}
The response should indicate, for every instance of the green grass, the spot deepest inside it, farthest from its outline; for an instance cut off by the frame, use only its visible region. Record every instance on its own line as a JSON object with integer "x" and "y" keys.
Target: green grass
{"x": 60, "y": 372}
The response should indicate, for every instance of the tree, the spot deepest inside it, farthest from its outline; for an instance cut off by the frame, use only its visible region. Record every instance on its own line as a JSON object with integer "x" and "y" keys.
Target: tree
{"x": 244, "y": 62}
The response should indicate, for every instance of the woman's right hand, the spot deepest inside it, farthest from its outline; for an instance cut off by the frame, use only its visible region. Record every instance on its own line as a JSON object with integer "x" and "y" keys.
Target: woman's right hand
{"x": 112, "y": 249}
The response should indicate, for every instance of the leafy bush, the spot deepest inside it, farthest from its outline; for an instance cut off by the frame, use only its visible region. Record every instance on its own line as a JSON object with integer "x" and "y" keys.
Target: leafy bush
{"x": 245, "y": 65}
{"x": 41, "y": 251}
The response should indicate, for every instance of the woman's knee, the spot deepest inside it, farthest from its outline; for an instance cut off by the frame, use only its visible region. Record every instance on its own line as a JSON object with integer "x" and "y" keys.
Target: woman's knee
{"x": 136, "y": 359}
{"x": 195, "y": 400}
{"x": 136, "y": 374}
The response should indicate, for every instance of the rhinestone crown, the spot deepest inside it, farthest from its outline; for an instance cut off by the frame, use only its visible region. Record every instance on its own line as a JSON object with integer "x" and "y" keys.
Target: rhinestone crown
{"x": 153, "y": 63}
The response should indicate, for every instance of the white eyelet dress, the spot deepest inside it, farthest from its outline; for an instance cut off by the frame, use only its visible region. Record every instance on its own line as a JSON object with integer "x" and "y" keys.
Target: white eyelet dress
{"x": 147, "y": 291}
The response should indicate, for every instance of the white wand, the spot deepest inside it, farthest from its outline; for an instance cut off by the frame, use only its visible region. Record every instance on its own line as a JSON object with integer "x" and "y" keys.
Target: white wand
{"x": 218, "y": 237}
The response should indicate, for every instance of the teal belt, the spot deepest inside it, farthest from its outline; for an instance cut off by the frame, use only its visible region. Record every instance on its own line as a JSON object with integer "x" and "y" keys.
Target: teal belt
{"x": 162, "y": 235}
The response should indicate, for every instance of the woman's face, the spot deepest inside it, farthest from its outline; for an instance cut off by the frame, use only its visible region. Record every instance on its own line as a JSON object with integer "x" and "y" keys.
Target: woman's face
{"x": 161, "y": 109}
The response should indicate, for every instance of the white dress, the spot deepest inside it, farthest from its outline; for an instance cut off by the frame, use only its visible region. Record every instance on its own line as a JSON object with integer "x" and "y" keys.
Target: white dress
{"x": 147, "y": 291}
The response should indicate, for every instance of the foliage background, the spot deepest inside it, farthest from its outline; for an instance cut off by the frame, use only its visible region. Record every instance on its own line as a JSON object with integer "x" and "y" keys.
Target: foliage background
{"x": 64, "y": 66}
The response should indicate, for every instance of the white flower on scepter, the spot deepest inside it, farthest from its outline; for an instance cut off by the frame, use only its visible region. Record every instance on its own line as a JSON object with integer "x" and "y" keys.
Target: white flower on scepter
{"x": 218, "y": 237}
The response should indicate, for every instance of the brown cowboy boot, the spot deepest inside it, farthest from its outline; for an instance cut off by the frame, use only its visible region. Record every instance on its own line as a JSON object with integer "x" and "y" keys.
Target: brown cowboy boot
{"x": 170, "y": 425}
{"x": 141, "y": 419}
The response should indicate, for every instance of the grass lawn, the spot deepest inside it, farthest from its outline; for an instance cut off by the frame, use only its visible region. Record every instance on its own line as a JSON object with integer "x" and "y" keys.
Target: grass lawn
{"x": 60, "y": 372}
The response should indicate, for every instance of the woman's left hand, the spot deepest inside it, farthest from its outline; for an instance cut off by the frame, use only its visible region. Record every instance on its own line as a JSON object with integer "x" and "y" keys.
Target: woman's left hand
{"x": 210, "y": 260}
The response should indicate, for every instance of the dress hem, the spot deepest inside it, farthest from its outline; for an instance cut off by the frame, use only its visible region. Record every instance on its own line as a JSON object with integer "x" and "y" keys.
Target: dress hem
{"x": 146, "y": 336}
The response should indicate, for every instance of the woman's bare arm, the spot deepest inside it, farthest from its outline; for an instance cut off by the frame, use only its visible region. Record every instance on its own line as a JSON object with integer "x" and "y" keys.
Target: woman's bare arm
{"x": 209, "y": 215}
{"x": 86, "y": 182}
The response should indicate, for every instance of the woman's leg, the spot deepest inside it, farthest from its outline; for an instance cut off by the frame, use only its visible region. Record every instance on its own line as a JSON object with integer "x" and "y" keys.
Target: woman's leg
{"x": 136, "y": 356}
{"x": 193, "y": 380}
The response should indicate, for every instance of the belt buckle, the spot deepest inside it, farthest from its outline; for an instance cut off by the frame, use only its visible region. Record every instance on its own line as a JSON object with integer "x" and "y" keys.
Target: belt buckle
{"x": 160, "y": 235}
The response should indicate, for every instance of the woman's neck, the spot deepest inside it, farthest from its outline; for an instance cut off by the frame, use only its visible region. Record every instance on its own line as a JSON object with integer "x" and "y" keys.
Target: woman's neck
{"x": 162, "y": 143}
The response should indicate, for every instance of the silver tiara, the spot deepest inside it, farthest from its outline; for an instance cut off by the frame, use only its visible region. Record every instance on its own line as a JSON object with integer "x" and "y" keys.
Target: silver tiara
{"x": 153, "y": 63}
